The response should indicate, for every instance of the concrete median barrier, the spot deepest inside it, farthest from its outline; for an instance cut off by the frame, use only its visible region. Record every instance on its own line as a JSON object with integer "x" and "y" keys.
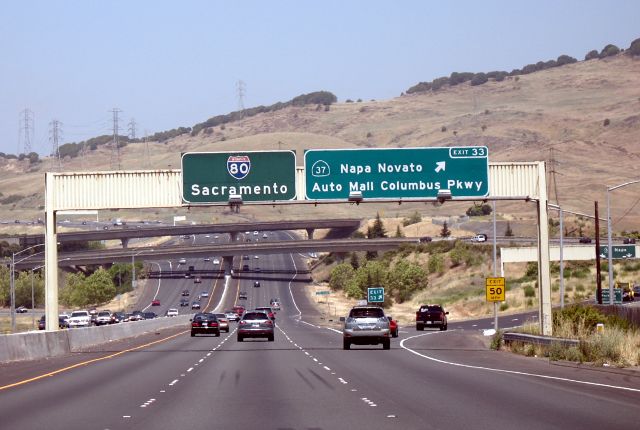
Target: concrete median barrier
{"x": 43, "y": 344}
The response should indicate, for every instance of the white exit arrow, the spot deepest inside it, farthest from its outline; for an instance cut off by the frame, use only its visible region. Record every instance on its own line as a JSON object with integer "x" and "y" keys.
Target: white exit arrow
{"x": 441, "y": 165}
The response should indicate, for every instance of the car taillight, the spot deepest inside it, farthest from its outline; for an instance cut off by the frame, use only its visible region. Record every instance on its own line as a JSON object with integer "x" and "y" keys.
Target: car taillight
{"x": 195, "y": 324}
{"x": 213, "y": 324}
{"x": 417, "y": 314}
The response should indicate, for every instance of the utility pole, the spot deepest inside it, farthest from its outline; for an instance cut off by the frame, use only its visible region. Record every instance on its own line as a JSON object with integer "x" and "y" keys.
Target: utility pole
{"x": 552, "y": 172}
{"x": 55, "y": 136}
{"x": 146, "y": 149}
{"x": 25, "y": 131}
{"x": 115, "y": 144}
{"x": 132, "y": 128}
{"x": 241, "y": 90}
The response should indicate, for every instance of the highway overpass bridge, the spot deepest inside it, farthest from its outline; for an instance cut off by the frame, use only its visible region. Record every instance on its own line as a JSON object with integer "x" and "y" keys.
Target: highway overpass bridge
{"x": 125, "y": 233}
{"x": 226, "y": 251}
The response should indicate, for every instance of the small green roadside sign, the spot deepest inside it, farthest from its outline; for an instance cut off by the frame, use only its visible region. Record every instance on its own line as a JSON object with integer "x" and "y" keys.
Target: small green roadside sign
{"x": 375, "y": 295}
{"x": 396, "y": 173}
{"x": 617, "y": 292}
{"x": 213, "y": 177}
{"x": 619, "y": 251}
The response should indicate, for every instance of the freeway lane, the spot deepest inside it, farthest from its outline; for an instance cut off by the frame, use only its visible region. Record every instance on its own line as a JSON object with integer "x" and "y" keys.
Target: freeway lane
{"x": 305, "y": 380}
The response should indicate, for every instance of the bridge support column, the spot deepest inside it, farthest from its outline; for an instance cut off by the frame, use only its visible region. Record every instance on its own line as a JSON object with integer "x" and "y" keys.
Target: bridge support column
{"x": 544, "y": 277}
{"x": 125, "y": 242}
{"x": 310, "y": 233}
{"x": 233, "y": 235}
{"x": 51, "y": 258}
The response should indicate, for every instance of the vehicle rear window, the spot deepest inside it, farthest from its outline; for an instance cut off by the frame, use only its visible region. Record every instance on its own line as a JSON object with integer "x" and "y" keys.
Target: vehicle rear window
{"x": 255, "y": 316}
{"x": 431, "y": 309}
{"x": 366, "y": 313}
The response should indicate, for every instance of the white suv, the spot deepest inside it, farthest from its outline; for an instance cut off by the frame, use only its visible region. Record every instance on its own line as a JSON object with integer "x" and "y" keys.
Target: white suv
{"x": 80, "y": 319}
{"x": 172, "y": 312}
{"x": 366, "y": 325}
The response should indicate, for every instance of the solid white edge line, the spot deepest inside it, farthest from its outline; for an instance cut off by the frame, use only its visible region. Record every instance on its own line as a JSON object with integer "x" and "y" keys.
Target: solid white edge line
{"x": 513, "y": 372}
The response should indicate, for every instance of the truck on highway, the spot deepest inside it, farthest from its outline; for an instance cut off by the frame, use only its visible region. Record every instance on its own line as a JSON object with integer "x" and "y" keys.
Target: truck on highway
{"x": 431, "y": 316}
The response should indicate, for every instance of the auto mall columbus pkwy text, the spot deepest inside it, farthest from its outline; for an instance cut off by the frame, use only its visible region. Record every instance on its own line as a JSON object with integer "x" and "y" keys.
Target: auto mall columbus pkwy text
{"x": 393, "y": 185}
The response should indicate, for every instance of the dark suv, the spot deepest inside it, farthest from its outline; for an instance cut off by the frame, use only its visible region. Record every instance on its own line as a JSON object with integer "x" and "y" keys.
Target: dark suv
{"x": 366, "y": 325}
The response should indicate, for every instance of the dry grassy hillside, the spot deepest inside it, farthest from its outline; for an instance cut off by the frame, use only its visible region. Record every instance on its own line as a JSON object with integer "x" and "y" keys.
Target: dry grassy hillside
{"x": 520, "y": 119}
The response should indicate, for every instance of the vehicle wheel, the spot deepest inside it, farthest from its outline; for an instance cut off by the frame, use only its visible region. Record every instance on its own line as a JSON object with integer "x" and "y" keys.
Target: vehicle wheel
{"x": 419, "y": 327}
{"x": 395, "y": 333}
{"x": 386, "y": 344}
{"x": 443, "y": 328}
{"x": 346, "y": 344}
{"x": 270, "y": 338}
{"x": 217, "y": 334}
{"x": 193, "y": 334}
{"x": 240, "y": 338}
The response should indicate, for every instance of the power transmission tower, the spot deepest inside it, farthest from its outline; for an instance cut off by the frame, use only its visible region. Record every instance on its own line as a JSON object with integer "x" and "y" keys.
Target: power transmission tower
{"x": 115, "y": 144}
{"x": 26, "y": 131}
{"x": 241, "y": 88}
{"x": 552, "y": 171}
{"x": 132, "y": 128}
{"x": 55, "y": 136}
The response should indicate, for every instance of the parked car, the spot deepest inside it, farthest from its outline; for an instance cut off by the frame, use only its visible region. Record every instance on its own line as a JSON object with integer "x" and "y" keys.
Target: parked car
{"x": 150, "y": 315}
{"x": 119, "y": 317}
{"x": 79, "y": 319}
{"x": 21, "y": 310}
{"x": 431, "y": 316}
{"x": 255, "y": 324}
{"x": 479, "y": 238}
{"x": 366, "y": 325}
{"x": 223, "y": 322}
{"x": 172, "y": 312}
{"x": 426, "y": 239}
{"x": 629, "y": 240}
{"x": 585, "y": 240}
{"x": 155, "y": 302}
{"x": 195, "y": 305}
{"x": 205, "y": 323}
{"x": 393, "y": 326}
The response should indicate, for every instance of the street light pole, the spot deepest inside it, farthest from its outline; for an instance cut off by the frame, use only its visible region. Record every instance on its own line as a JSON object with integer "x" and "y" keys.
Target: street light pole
{"x": 12, "y": 280}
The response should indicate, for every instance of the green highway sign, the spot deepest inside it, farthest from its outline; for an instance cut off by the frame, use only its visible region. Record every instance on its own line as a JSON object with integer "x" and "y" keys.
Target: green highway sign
{"x": 212, "y": 177}
{"x": 619, "y": 251}
{"x": 323, "y": 293}
{"x": 398, "y": 173}
{"x": 617, "y": 292}
{"x": 375, "y": 295}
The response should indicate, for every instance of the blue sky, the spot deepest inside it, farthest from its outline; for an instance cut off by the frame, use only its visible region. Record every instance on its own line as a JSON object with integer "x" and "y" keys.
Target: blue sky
{"x": 169, "y": 64}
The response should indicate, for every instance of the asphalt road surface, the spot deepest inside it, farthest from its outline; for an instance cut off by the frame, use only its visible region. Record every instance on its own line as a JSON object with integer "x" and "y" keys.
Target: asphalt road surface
{"x": 305, "y": 380}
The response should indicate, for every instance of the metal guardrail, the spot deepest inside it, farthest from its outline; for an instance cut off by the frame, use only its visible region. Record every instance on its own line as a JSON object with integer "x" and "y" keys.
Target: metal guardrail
{"x": 538, "y": 340}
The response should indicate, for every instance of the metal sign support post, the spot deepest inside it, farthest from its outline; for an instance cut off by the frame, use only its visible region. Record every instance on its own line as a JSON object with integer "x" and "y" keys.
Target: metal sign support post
{"x": 495, "y": 266}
